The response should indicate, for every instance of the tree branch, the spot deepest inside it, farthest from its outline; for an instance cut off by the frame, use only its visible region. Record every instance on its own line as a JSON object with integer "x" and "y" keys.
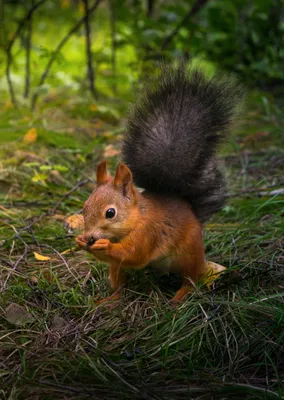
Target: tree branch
{"x": 58, "y": 48}
{"x": 195, "y": 8}
{"x": 113, "y": 44}
{"x": 90, "y": 68}
{"x": 10, "y": 45}
{"x": 28, "y": 55}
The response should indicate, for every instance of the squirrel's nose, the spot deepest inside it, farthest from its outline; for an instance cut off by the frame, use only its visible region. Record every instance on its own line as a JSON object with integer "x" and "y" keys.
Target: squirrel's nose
{"x": 91, "y": 239}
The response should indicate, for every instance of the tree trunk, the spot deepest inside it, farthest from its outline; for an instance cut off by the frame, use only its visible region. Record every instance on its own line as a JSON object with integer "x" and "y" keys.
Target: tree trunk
{"x": 113, "y": 44}
{"x": 90, "y": 69}
{"x": 28, "y": 54}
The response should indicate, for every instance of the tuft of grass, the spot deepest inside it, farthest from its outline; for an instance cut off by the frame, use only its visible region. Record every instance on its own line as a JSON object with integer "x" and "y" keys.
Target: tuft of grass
{"x": 224, "y": 343}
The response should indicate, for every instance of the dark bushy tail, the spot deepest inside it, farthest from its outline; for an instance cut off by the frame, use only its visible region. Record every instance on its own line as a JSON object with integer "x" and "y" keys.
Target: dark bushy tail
{"x": 173, "y": 133}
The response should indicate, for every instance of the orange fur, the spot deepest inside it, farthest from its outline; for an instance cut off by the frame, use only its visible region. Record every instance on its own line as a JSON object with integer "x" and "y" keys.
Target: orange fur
{"x": 146, "y": 228}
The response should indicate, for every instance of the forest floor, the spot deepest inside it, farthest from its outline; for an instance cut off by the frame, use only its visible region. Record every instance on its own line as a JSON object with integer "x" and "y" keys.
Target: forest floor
{"x": 57, "y": 343}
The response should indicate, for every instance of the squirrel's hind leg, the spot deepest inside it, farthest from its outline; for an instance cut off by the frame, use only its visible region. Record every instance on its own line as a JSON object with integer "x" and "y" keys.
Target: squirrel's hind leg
{"x": 191, "y": 268}
{"x": 117, "y": 281}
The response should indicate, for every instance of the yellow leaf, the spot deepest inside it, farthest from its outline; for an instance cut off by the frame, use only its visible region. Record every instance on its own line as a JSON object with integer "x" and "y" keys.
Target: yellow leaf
{"x": 40, "y": 257}
{"x": 39, "y": 178}
{"x": 30, "y": 136}
{"x": 213, "y": 272}
{"x": 67, "y": 251}
{"x": 93, "y": 107}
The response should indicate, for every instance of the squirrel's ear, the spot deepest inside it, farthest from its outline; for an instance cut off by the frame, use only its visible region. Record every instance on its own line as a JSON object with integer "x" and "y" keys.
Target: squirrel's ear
{"x": 123, "y": 181}
{"x": 102, "y": 176}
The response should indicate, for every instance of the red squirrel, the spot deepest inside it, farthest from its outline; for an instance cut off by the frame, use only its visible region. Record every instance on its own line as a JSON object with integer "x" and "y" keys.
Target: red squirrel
{"x": 169, "y": 149}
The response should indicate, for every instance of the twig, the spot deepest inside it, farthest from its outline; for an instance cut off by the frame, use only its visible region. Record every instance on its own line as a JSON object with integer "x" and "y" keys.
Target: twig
{"x": 10, "y": 45}
{"x": 57, "y": 50}
{"x": 28, "y": 54}
{"x": 113, "y": 44}
{"x": 195, "y": 8}
{"x": 79, "y": 184}
{"x": 6, "y": 262}
{"x": 90, "y": 68}
{"x": 17, "y": 235}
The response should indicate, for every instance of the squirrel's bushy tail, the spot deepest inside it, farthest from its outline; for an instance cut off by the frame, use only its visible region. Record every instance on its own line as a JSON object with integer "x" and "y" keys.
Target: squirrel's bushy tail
{"x": 173, "y": 133}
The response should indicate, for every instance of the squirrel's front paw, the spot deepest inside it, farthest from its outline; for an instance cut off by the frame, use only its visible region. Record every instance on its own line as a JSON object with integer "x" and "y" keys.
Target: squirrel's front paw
{"x": 101, "y": 244}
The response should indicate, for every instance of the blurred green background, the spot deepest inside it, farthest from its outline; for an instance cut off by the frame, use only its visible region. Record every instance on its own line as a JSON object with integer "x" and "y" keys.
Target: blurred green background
{"x": 129, "y": 36}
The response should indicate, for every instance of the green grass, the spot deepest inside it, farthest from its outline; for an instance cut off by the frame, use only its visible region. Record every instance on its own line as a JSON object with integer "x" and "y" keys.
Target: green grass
{"x": 222, "y": 343}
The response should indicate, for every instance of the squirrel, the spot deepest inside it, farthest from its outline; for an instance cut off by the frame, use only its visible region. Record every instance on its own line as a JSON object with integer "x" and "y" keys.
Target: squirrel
{"x": 169, "y": 150}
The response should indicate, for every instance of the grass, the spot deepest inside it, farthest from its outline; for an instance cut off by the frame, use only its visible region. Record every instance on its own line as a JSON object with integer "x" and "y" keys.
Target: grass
{"x": 224, "y": 343}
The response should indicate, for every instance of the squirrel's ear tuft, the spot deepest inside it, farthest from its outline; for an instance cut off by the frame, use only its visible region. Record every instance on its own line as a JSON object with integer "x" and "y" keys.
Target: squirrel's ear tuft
{"x": 102, "y": 176}
{"x": 124, "y": 182}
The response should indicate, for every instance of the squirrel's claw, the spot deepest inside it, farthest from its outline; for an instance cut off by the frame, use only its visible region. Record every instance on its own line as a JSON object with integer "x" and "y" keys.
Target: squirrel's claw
{"x": 81, "y": 241}
{"x": 101, "y": 244}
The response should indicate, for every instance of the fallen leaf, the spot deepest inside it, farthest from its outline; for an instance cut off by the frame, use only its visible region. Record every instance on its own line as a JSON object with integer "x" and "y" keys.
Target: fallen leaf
{"x": 40, "y": 257}
{"x": 39, "y": 178}
{"x": 66, "y": 251}
{"x": 75, "y": 222}
{"x": 30, "y": 136}
{"x": 18, "y": 315}
{"x": 93, "y": 107}
{"x": 111, "y": 151}
{"x": 58, "y": 323}
{"x": 34, "y": 279}
{"x": 213, "y": 271}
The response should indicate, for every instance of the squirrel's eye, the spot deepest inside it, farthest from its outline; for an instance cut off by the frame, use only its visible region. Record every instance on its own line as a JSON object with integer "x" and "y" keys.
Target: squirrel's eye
{"x": 110, "y": 213}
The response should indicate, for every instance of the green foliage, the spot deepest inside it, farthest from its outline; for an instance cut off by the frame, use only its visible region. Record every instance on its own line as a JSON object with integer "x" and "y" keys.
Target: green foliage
{"x": 246, "y": 37}
{"x": 241, "y": 36}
